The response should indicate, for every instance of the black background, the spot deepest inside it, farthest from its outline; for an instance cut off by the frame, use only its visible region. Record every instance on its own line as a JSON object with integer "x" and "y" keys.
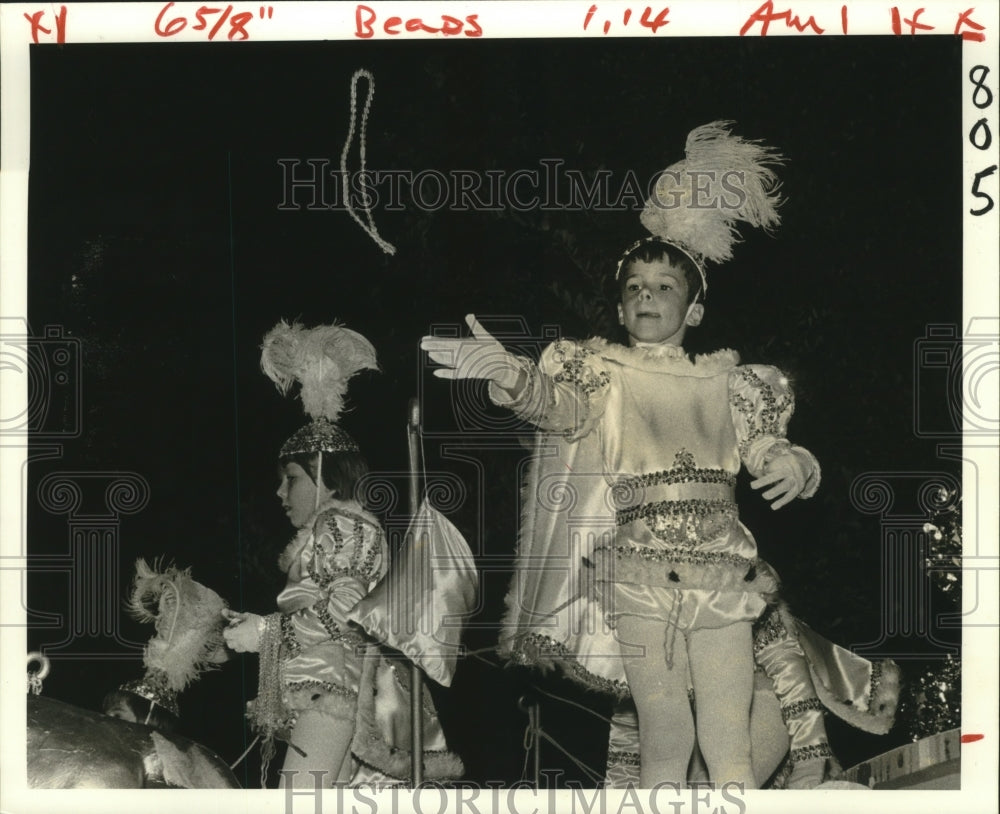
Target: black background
{"x": 156, "y": 242}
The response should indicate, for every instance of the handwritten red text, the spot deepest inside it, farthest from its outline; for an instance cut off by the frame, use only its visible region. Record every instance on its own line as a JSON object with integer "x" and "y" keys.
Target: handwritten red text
{"x": 211, "y": 19}
{"x": 654, "y": 22}
{"x": 965, "y": 19}
{"x": 365, "y": 19}
{"x": 37, "y": 27}
{"x": 766, "y": 15}
{"x": 912, "y": 22}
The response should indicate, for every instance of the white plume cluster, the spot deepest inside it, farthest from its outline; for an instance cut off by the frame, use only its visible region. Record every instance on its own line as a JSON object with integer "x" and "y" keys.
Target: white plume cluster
{"x": 724, "y": 180}
{"x": 188, "y": 620}
{"x": 322, "y": 360}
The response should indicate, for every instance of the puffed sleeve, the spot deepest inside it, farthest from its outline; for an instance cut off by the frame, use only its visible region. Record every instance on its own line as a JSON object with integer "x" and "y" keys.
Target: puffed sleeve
{"x": 347, "y": 559}
{"x": 565, "y": 392}
{"x": 761, "y": 403}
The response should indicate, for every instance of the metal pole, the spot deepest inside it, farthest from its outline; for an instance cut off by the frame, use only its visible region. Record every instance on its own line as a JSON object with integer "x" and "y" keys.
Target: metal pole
{"x": 527, "y": 703}
{"x": 416, "y": 676}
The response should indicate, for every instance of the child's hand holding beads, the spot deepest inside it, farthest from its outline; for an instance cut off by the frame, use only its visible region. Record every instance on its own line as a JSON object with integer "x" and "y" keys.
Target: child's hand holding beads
{"x": 243, "y": 632}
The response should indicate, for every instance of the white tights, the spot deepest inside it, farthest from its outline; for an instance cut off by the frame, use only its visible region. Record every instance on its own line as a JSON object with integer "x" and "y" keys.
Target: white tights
{"x": 721, "y": 668}
{"x": 319, "y": 742}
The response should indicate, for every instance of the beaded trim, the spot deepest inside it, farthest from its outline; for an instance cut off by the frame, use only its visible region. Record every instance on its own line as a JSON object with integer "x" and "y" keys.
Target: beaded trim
{"x": 680, "y": 555}
{"x": 575, "y": 370}
{"x": 766, "y": 420}
{"x": 816, "y": 750}
{"x": 799, "y": 708}
{"x": 154, "y": 687}
{"x": 288, "y": 638}
{"x": 617, "y": 758}
{"x": 322, "y": 611}
{"x": 875, "y": 680}
{"x": 683, "y": 471}
{"x": 550, "y": 648}
{"x": 346, "y": 637}
{"x": 769, "y": 629}
{"x": 335, "y": 689}
{"x": 395, "y": 750}
{"x": 697, "y": 508}
{"x": 316, "y": 436}
{"x": 363, "y": 572}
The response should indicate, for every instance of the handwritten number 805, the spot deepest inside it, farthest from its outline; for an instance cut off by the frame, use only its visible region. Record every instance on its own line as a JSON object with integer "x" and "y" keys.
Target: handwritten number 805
{"x": 980, "y": 135}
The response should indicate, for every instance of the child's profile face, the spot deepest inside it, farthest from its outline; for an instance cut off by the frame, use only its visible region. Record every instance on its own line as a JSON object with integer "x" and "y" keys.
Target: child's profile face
{"x": 298, "y": 494}
{"x": 654, "y": 307}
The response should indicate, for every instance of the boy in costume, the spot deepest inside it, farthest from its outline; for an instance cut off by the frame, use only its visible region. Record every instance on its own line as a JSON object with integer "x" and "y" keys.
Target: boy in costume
{"x": 325, "y": 685}
{"x": 631, "y": 535}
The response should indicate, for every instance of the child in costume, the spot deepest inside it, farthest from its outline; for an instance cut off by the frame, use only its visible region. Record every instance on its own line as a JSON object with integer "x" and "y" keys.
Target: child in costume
{"x": 649, "y": 443}
{"x": 325, "y": 686}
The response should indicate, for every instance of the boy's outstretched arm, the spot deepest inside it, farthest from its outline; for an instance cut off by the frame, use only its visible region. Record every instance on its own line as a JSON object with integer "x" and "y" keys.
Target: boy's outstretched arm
{"x": 479, "y": 356}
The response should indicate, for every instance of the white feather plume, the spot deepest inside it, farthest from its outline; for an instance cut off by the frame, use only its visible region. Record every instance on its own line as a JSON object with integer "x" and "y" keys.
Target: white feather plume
{"x": 322, "y": 360}
{"x": 188, "y": 620}
{"x": 724, "y": 180}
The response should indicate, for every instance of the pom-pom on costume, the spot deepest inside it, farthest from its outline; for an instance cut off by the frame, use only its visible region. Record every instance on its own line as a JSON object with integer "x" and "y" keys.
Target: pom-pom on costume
{"x": 311, "y": 656}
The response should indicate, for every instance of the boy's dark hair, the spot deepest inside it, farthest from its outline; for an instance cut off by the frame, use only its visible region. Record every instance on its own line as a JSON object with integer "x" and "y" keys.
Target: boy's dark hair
{"x": 157, "y": 717}
{"x": 649, "y": 251}
{"x": 342, "y": 471}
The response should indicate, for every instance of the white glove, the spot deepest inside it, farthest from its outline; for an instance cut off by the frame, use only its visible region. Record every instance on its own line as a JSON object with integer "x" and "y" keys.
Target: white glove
{"x": 244, "y": 631}
{"x": 788, "y": 477}
{"x": 477, "y": 357}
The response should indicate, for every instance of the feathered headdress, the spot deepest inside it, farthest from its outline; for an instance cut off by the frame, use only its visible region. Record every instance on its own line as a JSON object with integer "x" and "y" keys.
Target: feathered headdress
{"x": 322, "y": 360}
{"x": 698, "y": 203}
{"x": 189, "y": 623}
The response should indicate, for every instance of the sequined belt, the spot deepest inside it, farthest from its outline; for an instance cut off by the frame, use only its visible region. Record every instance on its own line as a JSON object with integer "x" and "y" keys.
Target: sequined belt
{"x": 698, "y": 499}
{"x": 687, "y": 473}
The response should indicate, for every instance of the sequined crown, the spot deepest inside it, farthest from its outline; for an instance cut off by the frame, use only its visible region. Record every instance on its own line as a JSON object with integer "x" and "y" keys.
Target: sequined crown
{"x": 321, "y": 435}
{"x": 156, "y": 691}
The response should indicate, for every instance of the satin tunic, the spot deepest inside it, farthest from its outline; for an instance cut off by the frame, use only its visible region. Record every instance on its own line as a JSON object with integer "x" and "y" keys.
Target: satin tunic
{"x": 331, "y": 565}
{"x": 673, "y": 433}
{"x": 329, "y": 664}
